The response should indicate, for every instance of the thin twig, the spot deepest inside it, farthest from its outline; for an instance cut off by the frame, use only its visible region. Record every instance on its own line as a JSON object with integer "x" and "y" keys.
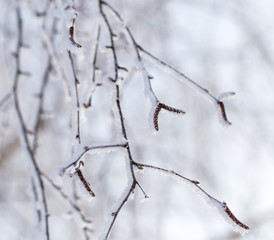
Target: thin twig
{"x": 87, "y": 149}
{"x": 112, "y": 46}
{"x": 116, "y": 212}
{"x": 94, "y": 62}
{"x": 76, "y": 82}
{"x": 40, "y": 107}
{"x": 185, "y": 79}
{"x": 221, "y": 206}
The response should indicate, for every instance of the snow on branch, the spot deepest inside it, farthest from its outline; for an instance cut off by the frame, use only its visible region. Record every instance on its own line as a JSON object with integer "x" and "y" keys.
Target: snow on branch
{"x": 223, "y": 209}
{"x": 82, "y": 150}
{"x": 189, "y": 82}
{"x": 115, "y": 210}
{"x": 149, "y": 93}
{"x": 137, "y": 52}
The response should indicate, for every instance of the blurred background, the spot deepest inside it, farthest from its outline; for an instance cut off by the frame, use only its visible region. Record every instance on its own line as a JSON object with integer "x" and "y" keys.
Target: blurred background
{"x": 221, "y": 45}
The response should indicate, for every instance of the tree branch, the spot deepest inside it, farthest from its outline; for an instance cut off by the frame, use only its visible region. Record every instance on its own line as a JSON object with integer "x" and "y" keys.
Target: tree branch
{"x": 24, "y": 130}
{"x": 194, "y": 185}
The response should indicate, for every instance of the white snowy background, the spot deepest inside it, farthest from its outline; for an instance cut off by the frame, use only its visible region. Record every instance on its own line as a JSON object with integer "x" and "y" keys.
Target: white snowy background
{"x": 222, "y": 45}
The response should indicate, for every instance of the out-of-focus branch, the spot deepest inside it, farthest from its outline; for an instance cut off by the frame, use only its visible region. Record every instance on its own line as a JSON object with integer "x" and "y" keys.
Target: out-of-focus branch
{"x": 94, "y": 62}
{"x": 41, "y": 102}
{"x": 24, "y": 129}
{"x": 77, "y": 209}
{"x": 76, "y": 82}
{"x": 5, "y": 99}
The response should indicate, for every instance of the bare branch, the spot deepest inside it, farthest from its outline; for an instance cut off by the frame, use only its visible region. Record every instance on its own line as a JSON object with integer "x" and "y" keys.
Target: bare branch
{"x": 24, "y": 131}
{"x": 76, "y": 82}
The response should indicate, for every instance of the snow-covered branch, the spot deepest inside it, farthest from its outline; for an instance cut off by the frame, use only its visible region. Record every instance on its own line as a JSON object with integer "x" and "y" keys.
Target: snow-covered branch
{"x": 111, "y": 58}
{"x": 218, "y": 102}
{"x": 82, "y": 150}
{"x": 194, "y": 185}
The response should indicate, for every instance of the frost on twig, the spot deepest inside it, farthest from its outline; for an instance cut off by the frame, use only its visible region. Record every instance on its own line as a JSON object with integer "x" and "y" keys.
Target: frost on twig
{"x": 223, "y": 209}
{"x": 137, "y": 52}
{"x": 115, "y": 210}
{"x": 149, "y": 93}
{"x": 82, "y": 150}
{"x": 110, "y": 32}
{"x": 189, "y": 82}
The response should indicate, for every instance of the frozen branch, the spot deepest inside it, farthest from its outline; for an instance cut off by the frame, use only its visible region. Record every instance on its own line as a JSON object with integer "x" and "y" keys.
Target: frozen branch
{"x": 194, "y": 185}
{"x": 146, "y": 76}
{"x": 116, "y": 210}
{"x": 138, "y": 50}
{"x": 111, "y": 37}
{"x": 189, "y": 82}
{"x": 95, "y": 149}
{"x": 108, "y": 31}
